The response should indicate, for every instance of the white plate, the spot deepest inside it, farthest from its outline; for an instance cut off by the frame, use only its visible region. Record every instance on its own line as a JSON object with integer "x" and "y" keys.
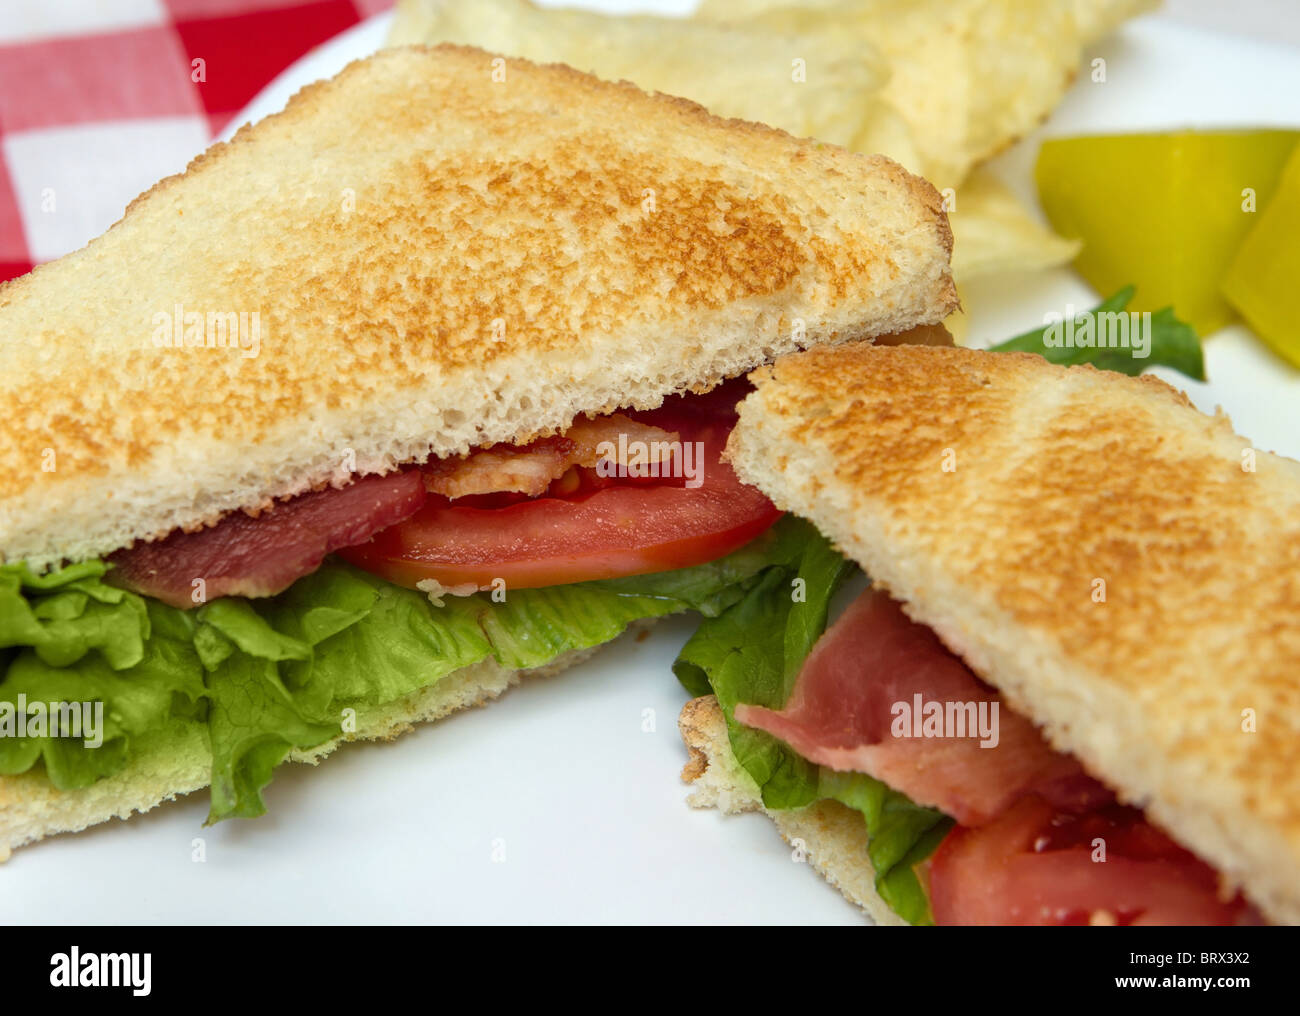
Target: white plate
{"x": 556, "y": 804}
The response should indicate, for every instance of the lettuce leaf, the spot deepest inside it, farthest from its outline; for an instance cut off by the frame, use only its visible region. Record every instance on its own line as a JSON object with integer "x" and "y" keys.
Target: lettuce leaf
{"x": 77, "y": 640}
{"x": 75, "y": 612}
{"x": 1174, "y": 344}
{"x": 753, "y": 653}
{"x": 263, "y": 678}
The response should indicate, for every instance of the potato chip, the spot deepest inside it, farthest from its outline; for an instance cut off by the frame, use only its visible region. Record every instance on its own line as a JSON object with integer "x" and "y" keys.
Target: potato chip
{"x": 820, "y": 82}
{"x": 932, "y": 95}
{"x": 884, "y": 132}
{"x": 969, "y": 77}
{"x": 993, "y": 232}
{"x": 958, "y": 323}
{"x": 1098, "y": 18}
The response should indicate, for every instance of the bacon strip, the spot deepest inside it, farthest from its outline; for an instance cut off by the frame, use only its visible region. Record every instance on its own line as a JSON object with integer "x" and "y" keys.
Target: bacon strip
{"x": 530, "y": 469}
{"x": 841, "y": 714}
{"x": 246, "y": 556}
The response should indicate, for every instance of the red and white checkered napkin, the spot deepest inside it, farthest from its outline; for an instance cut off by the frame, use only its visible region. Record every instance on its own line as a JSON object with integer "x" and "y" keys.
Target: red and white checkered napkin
{"x": 99, "y": 100}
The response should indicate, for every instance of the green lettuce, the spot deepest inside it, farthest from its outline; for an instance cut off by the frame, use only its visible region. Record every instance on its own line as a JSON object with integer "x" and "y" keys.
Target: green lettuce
{"x": 69, "y": 637}
{"x": 752, "y": 653}
{"x": 255, "y": 680}
{"x": 1174, "y": 344}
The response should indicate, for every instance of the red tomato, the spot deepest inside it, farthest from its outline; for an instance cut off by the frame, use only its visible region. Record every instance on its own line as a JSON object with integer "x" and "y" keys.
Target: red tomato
{"x": 1034, "y": 865}
{"x": 585, "y": 527}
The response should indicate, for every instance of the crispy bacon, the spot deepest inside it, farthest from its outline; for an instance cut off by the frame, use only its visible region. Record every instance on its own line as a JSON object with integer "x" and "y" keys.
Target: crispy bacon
{"x": 530, "y": 469}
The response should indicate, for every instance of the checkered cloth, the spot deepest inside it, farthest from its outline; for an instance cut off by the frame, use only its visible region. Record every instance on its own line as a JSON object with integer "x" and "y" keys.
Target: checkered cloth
{"x": 98, "y": 100}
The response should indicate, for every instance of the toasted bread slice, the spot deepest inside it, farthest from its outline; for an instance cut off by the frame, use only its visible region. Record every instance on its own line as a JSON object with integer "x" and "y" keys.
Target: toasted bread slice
{"x": 434, "y": 250}
{"x": 1125, "y": 569}
{"x": 829, "y": 836}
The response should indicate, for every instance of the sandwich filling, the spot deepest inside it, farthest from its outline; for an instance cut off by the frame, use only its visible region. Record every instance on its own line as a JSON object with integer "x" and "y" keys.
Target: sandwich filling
{"x": 275, "y": 633}
{"x": 973, "y": 817}
{"x": 622, "y": 494}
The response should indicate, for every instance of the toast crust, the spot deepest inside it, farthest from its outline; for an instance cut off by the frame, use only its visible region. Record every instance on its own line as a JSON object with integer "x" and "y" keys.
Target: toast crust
{"x": 828, "y": 835}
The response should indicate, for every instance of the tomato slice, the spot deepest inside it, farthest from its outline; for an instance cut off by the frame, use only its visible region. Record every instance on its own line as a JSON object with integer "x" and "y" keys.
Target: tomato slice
{"x": 1034, "y": 865}
{"x": 588, "y": 528}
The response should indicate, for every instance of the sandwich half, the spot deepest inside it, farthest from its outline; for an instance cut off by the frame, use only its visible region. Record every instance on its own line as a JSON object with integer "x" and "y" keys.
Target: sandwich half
{"x": 1069, "y": 694}
{"x": 396, "y": 396}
